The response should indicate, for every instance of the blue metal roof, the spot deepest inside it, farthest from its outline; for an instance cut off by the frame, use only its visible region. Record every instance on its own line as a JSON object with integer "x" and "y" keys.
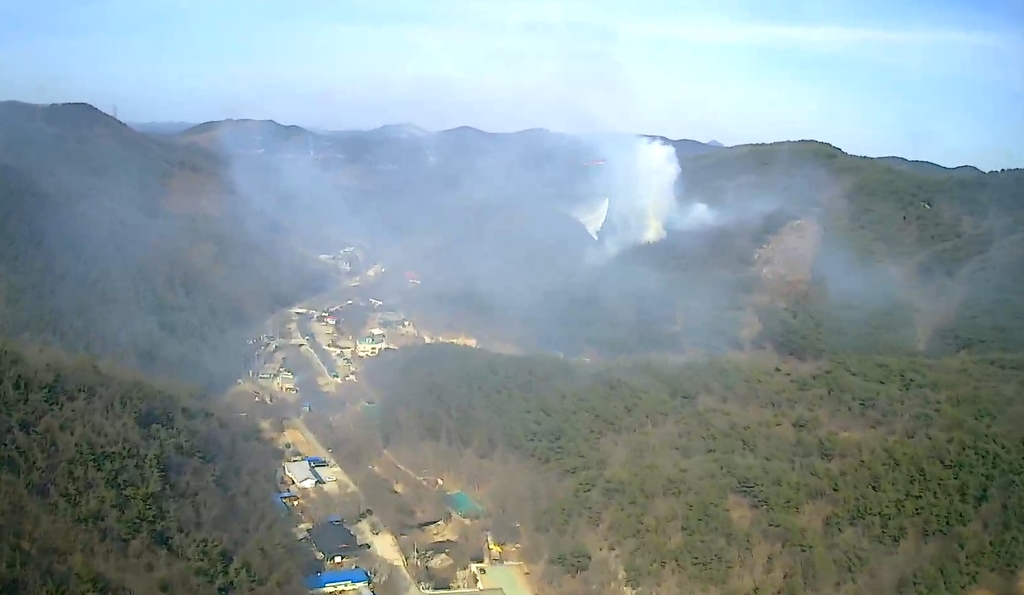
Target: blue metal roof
{"x": 333, "y": 577}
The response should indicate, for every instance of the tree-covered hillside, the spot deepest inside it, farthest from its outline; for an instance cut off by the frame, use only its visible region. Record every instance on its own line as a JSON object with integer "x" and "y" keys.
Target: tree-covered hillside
{"x": 936, "y": 251}
{"x": 124, "y": 246}
{"x": 925, "y": 256}
{"x": 110, "y": 485}
{"x": 847, "y": 475}
{"x": 910, "y": 259}
{"x": 482, "y": 218}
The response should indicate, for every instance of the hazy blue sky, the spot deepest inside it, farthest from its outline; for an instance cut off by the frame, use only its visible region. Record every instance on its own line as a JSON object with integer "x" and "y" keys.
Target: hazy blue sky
{"x": 941, "y": 80}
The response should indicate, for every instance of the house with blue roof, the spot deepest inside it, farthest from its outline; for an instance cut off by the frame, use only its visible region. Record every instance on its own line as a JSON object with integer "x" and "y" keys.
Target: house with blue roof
{"x": 334, "y": 581}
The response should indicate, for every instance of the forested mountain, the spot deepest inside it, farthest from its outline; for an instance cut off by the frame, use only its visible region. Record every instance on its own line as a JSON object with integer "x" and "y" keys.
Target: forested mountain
{"x": 483, "y": 218}
{"x": 839, "y": 447}
{"x": 812, "y": 250}
{"x": 891, "y": 258}
{"x": 814, "y": 391}
{"x": 910, "y": 258}
{"x": 121, "y": 245}
{"x": 110, "y": 485}
{"x": 842, "y": 475}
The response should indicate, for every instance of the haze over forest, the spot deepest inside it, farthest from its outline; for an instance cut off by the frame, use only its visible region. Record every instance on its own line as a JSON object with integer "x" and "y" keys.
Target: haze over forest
{"x": 696, "y": 367}
{"x": 790, "y": 300}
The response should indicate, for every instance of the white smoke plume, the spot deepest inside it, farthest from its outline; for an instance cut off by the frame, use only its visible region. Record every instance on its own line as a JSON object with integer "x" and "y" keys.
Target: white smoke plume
{"x": 639, "y": 179}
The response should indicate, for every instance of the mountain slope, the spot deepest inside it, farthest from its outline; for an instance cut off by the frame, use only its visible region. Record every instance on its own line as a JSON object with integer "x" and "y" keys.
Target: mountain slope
{"x": 850, "y": 465}
{"x": 852, "y": 475}
{"x": 125, "y": 246}
{"x": 686, "y": 147}
{"x": 823, "y": 471}
{"x": 905, "y": 247}
{"x": 249, "y": 136}
{"x": 160, "y": 127}
{"x": 110, "y": 485}
{"x": 121, "y": 246}
{"x": 934, "y": 243}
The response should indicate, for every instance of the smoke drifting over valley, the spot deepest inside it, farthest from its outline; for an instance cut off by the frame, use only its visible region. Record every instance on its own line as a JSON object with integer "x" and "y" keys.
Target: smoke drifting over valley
{"x": 613, "y": 244}
{"x": 636, "y": 259}
{"x": 352, "y": 318}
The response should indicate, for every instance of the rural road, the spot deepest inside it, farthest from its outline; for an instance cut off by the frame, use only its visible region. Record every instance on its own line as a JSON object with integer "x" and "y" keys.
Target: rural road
{"x": 384, "y": 544}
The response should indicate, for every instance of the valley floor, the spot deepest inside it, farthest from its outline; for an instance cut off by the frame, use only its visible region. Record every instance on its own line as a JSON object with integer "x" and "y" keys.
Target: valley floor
{"x": 308, "y": 382}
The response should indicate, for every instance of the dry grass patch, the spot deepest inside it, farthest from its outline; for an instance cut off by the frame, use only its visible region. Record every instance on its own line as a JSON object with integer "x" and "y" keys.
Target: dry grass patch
{"x": 740, "y": 511}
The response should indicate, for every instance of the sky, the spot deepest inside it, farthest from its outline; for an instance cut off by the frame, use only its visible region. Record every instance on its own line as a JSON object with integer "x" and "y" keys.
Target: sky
{"x": 937, "y": 80}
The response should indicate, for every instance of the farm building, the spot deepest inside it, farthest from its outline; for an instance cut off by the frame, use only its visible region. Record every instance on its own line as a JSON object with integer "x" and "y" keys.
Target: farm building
{"x": 286, "y": 499}
{"x": 301, "y": 473}
{"x": 463, "y": 505}
{"x": 334, "y": 581}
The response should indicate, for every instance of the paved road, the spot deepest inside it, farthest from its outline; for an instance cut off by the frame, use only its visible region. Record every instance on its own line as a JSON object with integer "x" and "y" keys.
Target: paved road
{"x": 302, "y": 363}
{"x": 305, "y": 328}
{"x": 306, "y": 374}
{"x": 344, "y": 482}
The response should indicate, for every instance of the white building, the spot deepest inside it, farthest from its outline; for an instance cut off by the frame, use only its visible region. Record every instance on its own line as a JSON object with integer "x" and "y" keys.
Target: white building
{"x": 367, "y": 349}
{"x": 301, "y": 473}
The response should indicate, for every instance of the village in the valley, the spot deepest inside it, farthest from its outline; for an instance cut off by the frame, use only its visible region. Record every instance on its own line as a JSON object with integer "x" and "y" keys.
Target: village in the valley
{"x": 309, "y": 362}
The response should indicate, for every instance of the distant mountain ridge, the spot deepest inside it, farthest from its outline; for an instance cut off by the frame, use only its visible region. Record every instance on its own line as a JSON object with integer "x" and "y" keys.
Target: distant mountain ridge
{"x": 927, "y": 167}
{"x": 240, "y": 135}
{"x": 160, "y": 127}
{"x": 410, "y": 131}
{"x": 403, "y": 130}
